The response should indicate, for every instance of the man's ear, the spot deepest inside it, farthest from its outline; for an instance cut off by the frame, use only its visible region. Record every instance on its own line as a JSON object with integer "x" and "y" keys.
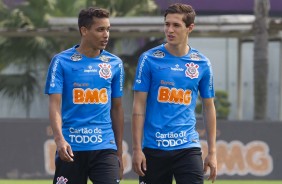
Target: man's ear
{"x": 83, "y": 30}
{"x": 191, "y": 27}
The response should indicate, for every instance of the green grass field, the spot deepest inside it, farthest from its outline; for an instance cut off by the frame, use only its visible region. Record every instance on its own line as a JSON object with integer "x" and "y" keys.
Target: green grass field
{"x": 136, "y": 182}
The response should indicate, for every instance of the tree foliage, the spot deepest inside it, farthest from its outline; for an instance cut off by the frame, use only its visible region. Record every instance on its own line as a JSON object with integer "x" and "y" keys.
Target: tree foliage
{"x": 24, "y": 60}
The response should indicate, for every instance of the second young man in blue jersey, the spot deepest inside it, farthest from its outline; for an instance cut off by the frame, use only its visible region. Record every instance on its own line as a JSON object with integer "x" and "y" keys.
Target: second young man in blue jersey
{"x": 168, "y": 79}
{"x": 85, "y": 86}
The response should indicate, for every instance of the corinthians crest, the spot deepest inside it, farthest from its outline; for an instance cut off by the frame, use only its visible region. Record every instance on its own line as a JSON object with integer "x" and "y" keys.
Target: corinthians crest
{"x": 105, "y": 70}
{"x": 192, "y": 70}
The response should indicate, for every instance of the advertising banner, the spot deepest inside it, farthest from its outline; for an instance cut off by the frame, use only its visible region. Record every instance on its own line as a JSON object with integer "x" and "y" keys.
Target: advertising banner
{"x": 245, "y": 149}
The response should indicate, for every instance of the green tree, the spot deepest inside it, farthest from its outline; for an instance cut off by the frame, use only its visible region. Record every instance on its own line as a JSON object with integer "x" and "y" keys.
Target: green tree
{"x": 23, "y": 57}
{"x": 24, "y": 60}
{"x": 260, "y": 58}
{"x": 4, "y": 14}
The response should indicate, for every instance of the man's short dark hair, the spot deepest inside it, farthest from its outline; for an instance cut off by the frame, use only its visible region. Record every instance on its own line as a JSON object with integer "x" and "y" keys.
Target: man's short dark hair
{"x": 85, "y": 17}
{"x": 185, "y": 9}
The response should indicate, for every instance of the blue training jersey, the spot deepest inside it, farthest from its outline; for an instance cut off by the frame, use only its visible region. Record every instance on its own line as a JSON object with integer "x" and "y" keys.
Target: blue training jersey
{"x": 87, "y": 86}
{"x": 172, "y": 84}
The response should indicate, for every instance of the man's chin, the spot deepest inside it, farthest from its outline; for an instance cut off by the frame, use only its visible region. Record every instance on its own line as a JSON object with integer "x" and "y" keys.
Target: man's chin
{"x": 172, "y": 42}
{"x": 102, "y": 47}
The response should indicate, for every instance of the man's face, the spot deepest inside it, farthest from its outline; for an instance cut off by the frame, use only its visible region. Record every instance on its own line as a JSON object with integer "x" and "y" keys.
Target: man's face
{"x": 175, "y": 29}
{"x": 97, "y": 36}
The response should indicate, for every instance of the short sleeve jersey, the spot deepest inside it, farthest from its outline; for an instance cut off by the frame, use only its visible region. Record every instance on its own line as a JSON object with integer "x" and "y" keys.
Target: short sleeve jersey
{"x": 87, "y": 86}
{"x": 172, "y": 84}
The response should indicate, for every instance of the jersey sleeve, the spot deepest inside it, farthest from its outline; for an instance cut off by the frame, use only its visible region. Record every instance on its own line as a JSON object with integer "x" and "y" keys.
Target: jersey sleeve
{"x": 206, "y": 86}
{"x": 118, "y": 81}
{"x": 54, "y": 80}
{"x": 142, "y": 75}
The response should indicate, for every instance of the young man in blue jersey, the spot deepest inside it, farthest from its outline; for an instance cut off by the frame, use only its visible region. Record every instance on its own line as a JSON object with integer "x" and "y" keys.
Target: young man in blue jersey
{"x": 168, "y": 79}
{"x": 85, "y": 86}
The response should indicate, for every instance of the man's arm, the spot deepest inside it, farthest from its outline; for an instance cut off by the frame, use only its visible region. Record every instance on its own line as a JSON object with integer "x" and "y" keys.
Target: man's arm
{"x": 138, "y": 117}
{"x": 117, "y": 116}
{"x": 63, "y": 148}
{"x": 209, "y": 114}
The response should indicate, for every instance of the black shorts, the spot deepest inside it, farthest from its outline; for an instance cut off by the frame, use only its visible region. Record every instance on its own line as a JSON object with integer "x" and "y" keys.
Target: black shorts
{"x": 101, "y": 167}
{"x": 185, "y": 165}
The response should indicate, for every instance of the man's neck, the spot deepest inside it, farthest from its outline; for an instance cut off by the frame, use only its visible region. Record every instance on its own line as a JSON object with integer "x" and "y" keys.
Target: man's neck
{"x": 177, "y": 50}
{"x": 87, "y": 51}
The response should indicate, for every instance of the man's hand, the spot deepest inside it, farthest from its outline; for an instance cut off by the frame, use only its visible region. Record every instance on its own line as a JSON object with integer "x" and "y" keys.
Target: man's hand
{"x": 211, "y": 162}
{"x": 139, "y": 162}
{"x": 64, "y": 151}
{"x": 121, "y": 168}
